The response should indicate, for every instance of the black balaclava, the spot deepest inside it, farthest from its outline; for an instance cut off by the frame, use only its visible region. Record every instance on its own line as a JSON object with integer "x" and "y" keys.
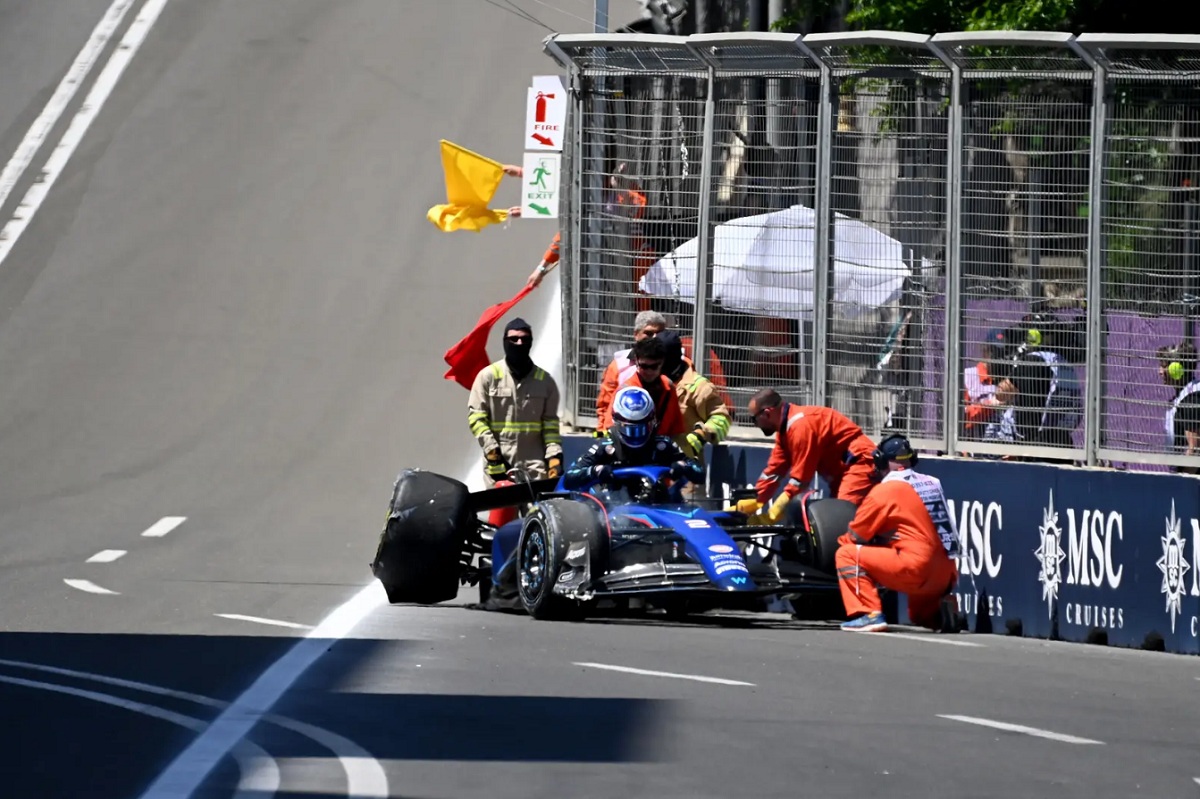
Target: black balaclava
{"x": 673, "y": 363}
{"x": 517, "y": 355}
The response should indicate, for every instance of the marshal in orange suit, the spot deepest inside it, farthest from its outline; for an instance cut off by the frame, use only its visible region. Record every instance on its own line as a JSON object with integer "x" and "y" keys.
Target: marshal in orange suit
{"x": 810, "y": 440}
{"x": 893, "y": 542}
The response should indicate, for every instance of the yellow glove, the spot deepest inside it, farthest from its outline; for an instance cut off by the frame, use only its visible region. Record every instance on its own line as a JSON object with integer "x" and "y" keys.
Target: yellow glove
{"x": 696, "y": 442}
{"x": 554, "y": 466}
{"x": 775, "y": 513}
{"x": 747, "y": 506}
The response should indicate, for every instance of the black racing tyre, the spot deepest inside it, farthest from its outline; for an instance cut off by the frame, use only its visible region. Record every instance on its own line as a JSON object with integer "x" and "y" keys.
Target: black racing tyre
{"x": 829, "y": 519}
{"x": 550, "y": 530}
{"x": 420, "y": 552}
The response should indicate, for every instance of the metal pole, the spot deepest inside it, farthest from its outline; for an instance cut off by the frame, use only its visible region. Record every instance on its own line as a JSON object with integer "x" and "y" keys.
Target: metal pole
{"x": 1094, "y": 365}
{"x": 601, "y": 16}
{"x": 705, "y": 233}
{"x": 571, "y": 278}
{"x": 822, "y": 240}
{"x": 951, "y": 334}
{"x": 775, "y": 122}
{"x": 759, "y": 15}
{"x": 774, "y": 12}
{"x": 1034, "y": 235}
{"x": 1190, "y": 251}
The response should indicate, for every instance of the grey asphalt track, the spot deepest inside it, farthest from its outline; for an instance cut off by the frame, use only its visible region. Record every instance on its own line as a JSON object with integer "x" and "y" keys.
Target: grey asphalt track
{"x": 231, "y": 308}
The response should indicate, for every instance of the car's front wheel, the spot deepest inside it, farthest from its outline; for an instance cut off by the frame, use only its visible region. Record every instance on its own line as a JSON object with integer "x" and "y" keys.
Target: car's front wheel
{"x": 550, "y": 532}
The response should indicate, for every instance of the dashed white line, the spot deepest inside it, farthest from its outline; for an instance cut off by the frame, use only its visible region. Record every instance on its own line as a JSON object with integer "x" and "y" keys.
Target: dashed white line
{"x": 670, "y": 674}
{"x": 164, "y": 525}
{"x": 106, "y": 556}
{"x": 1034, "y": 731}
{"x": 260, "y": 772}
{"x": 76, "y": 74}
{"x": 365, "y": 777}
{"x": 89, "y": 586}
{"x": 83, "y": 119}
{"x": 261, "y": 620}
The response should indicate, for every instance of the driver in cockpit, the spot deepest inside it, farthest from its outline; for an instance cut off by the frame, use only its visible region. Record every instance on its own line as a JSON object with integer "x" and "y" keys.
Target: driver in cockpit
{"x": 631, "y": 441}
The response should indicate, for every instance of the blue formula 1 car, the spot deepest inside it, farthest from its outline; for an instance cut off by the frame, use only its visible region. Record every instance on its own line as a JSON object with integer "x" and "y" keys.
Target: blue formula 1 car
{"x": 573, "y": 550}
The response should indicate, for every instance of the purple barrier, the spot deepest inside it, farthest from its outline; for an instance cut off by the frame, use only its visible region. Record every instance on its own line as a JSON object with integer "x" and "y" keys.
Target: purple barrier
{"x": 1135, "y": 400}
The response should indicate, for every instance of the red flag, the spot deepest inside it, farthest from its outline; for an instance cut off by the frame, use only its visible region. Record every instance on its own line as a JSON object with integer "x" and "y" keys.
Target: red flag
{"x": 469, "y": 356}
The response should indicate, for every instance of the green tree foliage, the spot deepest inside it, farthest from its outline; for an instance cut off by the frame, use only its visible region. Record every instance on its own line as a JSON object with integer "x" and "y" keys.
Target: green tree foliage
{"x": 1152, "y": 138}
{"x": 934, "y": 16}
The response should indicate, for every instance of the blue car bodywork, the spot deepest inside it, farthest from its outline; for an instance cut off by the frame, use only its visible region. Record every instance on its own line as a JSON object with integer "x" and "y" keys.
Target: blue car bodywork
{"x": 653, "y": 543}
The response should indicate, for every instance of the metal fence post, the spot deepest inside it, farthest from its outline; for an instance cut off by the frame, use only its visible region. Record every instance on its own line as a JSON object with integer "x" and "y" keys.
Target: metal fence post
{"x": 706, "y": 233}
{"x": 953, "y": 304}
{"x": 822, "y": 224}
{"x": 571, "y": 277}
{"x": 1094, "y": 366}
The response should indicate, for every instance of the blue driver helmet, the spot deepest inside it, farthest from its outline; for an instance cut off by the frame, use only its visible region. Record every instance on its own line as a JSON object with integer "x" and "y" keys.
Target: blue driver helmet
{"x": 634, "y": 419}
{"x": 894, "y": 448}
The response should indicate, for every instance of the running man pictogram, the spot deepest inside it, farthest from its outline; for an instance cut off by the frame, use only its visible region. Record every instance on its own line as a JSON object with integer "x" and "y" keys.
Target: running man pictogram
{"x": 539, "y": 176}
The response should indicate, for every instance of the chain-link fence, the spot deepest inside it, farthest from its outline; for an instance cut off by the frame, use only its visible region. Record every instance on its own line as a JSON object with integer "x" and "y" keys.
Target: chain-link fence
{"x": 989, "y": 241}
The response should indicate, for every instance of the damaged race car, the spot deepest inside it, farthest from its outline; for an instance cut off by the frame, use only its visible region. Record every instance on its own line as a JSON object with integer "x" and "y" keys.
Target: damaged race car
{"x": 571, "y": 552}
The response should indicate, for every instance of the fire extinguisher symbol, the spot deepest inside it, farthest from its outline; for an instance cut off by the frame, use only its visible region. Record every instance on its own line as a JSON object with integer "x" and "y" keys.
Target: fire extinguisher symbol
{"x": 539, "y": 110}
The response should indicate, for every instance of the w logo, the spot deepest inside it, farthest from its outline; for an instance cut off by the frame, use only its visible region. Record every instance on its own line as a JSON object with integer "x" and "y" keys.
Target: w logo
{"x": 738, "y": 580}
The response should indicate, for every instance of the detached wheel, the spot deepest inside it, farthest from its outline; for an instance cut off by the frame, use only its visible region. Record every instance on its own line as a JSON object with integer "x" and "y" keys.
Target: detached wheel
{"x": 553, "y": 529}
{"x": 420, "y": 552}
{"x": 829, "y": 519}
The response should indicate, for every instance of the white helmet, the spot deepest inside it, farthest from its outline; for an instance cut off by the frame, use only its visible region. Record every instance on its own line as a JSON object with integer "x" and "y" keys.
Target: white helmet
{"x": 634, "y": 418}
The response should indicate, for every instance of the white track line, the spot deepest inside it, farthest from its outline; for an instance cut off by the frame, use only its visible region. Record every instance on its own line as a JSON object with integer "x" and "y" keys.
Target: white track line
{"x": 83, "y": 119}
{"x": 76, "y": 74}
{"x": 89, "y": 586}
{"x": 189, "y": 769}
{"x": 185, "y": 774}
{"x": 365, "y": 778}
{"x": 670, "y": 674}
{"x": 260, "y": 620}
{"x": 164, "y": 525}
{"x": 1034, "y": 731}
{"x": 106, "y": 556}
{"x": 930, "y": 639}
{"x": 260, "y": 772}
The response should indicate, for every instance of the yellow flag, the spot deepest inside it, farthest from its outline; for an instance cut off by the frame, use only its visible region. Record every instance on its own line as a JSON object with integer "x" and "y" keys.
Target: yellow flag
{"x": 471, "y": 180}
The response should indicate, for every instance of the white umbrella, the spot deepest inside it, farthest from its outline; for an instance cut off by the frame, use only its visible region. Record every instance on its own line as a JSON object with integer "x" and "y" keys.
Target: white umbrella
{"x": 763, "y": 265}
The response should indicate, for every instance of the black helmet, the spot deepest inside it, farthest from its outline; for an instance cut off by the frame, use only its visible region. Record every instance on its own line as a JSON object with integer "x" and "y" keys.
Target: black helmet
{"x": 894, "y": 448}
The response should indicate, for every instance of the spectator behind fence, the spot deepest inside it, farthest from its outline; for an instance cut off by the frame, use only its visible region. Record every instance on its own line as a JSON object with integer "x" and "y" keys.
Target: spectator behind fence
{"x": 983, "y": 400}
{"x": 1046, "y": 404}
{"x": 1177, "y": 368}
